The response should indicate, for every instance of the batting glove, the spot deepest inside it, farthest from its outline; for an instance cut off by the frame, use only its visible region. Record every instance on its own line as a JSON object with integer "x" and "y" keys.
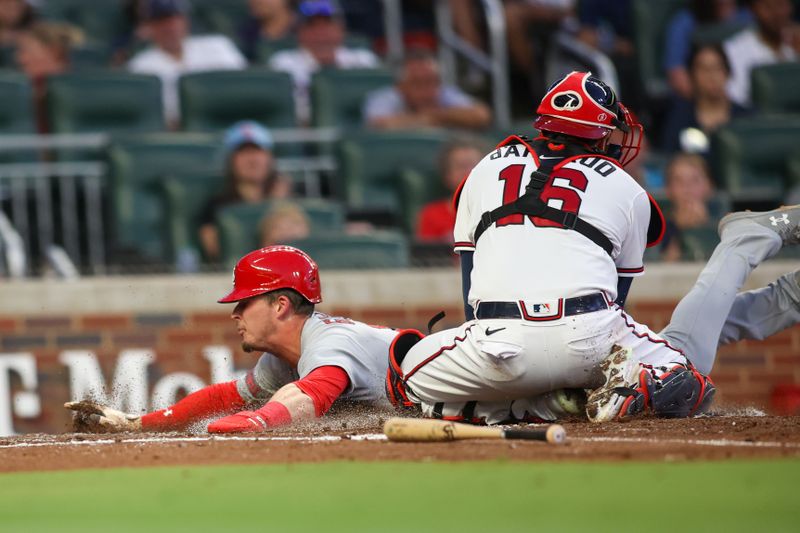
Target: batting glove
{"x": 91, "y": 417}
{"x": 243, "y": 422}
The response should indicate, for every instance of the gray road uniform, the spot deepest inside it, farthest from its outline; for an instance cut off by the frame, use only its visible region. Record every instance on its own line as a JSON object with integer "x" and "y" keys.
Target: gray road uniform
{"x": 359, "y": 349}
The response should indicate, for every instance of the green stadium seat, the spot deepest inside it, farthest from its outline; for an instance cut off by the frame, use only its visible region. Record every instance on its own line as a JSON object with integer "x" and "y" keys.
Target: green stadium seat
{"x": 215, "y": 16}
{"x": 137, "y": 168}
{"x": 775, "y": 88}
{"x": 382, "y": 249}
{"x": 212, "y": 101}
{"x": 104, "y": 101}
{"x": 90, "y": 56}
{"x": 650, "y": 21}
{"x": 102, "y": 21}
{"x": 371, "y": 164}
{"x": 16, "y": 103}
{"x": 337, "y": 96}
{"x": 715, "y": 33}
{"x": 239, "y": 224}
{"x": 416, "y": 190}
{"x": 750, "y": 157}
{"x": 186, "y": 198}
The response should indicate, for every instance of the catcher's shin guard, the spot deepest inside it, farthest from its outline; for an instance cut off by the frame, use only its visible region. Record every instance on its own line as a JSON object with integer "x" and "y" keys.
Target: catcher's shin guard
{"x": 395, "y": 385}
{"x": 677, "y": 392}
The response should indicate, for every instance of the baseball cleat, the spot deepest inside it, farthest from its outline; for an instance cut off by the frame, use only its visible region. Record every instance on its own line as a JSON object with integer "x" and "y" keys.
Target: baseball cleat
{"x": 621, "y": 374}
{"x": 785, "y": 221}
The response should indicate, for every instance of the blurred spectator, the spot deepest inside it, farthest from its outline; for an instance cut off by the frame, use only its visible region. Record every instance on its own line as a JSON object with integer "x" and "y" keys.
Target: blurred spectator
{"x": 688, "y": 188}
{"x": 250, "y": 176}
{"x": 43, "y": 50}
{"x": 681, "y": 32}
{"x": 284, "y": 223}
{"x": 530, "y": 26}
{"x": 689, "y": 123}
{"x": 608, "y": 27}
{"x": 174, "y": 52}
{"x": 774, "y": 39}
{"x": 15, "y": 16}
{"x": 419, "y": 99}
{"x": 436, "y": 219}
{"x": 270, "y": 21}
{"x": 320, "y": 38}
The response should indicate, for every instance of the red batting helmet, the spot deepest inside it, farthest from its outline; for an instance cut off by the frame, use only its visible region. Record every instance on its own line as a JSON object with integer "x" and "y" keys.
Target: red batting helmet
{"x": 273, "y": 268}
{"x": 583, "y": 106}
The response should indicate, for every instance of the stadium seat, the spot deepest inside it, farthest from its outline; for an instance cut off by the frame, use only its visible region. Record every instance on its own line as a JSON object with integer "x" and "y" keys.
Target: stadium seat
{"x": 16, "y": 103}
{"x": 239, "y": 224}
{"x": 650, "y": 21}
{"x": 90, "y": 56}
{"x": 416, "y": 190}
{"x": 212, "y": 101}
{"x": 774, "y": 88}
{"x": 137, "y": 168}
{"x": 371, "y": 164}
{"x": 104, "y": 101}
{"x": 382, "y": 249}
{"x": 102, "y": 21}
{"x": 337, "y": 96}
{"x": 185, "y": 199}
{"x": 750, "y": 157}
{"x": 215, "y": 16}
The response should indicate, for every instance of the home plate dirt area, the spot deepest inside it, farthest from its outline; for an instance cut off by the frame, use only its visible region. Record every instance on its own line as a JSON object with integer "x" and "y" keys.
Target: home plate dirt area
{"x": 746, "y": 434}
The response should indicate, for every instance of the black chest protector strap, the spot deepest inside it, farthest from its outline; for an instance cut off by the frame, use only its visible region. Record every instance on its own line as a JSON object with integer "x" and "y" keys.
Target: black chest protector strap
{"x": 531, "y": 204}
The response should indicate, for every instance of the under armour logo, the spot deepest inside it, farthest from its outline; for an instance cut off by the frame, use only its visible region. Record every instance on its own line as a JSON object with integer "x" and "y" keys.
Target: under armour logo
{"x": 783, "y": 218}
{"x": 168, "y": 412}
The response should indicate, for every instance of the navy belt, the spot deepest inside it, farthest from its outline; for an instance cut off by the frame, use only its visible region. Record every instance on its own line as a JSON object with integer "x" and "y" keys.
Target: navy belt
{"x": 572, "y": 306}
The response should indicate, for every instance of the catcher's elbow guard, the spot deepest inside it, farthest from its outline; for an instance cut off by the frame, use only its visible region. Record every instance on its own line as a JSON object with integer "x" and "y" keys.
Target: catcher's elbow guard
{"x": 395, "y": 384}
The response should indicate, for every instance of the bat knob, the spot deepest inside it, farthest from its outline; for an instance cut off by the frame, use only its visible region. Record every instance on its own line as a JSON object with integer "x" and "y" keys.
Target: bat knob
{"x": 556, "y": 434}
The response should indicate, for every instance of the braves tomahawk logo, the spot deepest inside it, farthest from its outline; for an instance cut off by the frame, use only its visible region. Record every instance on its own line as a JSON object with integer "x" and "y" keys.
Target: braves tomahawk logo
{"x": 567, "y": 101}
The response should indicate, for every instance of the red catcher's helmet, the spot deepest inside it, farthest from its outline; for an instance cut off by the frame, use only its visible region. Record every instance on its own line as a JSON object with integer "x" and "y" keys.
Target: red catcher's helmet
{"x": 583, "y": 106}
{"x": 273, "y": 268}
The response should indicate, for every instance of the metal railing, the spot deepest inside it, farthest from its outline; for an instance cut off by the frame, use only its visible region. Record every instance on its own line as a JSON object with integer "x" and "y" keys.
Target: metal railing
{"x": 494, "y": 61}
{"x": 53, "y": 213}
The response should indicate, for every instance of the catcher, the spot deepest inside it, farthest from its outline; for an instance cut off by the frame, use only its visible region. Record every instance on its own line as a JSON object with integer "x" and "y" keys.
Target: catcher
{"x": 551, "y": 232}
{"x": 310, "y": 359}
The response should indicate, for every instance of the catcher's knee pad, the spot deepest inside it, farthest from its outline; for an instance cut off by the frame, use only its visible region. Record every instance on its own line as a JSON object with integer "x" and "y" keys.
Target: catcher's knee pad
{"x": 678, "y": 392}
{"x": 395, "y": 385}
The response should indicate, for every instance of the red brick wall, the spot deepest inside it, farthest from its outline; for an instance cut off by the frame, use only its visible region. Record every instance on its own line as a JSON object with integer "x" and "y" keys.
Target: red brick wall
{"x": 745, "y": 373}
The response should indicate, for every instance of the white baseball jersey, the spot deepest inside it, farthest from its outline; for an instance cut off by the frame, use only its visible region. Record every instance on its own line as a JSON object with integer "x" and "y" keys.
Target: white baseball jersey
{"x": 519, "y": 258}
{"x": 361, "y": 350}
{"x": 497, "y": 369}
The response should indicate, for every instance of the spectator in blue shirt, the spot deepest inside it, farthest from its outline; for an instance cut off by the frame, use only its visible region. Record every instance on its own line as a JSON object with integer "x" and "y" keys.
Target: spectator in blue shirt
{"x": 682, "y": 30}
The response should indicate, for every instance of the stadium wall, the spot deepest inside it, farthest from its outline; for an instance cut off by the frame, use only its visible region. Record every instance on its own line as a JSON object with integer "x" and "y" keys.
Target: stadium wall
{"x": 142, "y": 342}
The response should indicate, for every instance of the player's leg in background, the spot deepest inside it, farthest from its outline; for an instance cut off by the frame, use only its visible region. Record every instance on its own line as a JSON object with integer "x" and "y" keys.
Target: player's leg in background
{"x": 760, "y": 313}
{"x": 747, "y": 239}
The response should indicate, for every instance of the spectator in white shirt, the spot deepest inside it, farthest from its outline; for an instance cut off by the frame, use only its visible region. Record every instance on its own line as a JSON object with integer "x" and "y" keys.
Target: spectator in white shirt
{"x": 320, "y": 37}
{"x": 419, "y": 99}
{"x": 165, "y": 23}
{"x": 774, "y": 39}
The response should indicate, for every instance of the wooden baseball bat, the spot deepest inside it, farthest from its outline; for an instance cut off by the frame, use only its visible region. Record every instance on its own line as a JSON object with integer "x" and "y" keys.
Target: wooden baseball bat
{"x": 428, "y": 430}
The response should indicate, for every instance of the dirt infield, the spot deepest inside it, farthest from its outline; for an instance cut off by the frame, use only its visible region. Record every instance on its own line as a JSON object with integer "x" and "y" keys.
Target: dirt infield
{"x": 359, "y": 438}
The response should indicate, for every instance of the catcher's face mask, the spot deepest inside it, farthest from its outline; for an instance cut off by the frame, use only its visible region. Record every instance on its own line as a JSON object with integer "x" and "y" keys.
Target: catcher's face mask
{"x": 628, "y": 146}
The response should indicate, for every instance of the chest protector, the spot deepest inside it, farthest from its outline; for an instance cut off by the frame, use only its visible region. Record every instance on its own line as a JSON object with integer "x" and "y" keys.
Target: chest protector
{"x": 531, "y": 204}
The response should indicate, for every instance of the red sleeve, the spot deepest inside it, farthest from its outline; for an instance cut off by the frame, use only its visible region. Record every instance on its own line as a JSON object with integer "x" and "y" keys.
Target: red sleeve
{"x": 323, "y": 385}
{"x": 208, "y": 401}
